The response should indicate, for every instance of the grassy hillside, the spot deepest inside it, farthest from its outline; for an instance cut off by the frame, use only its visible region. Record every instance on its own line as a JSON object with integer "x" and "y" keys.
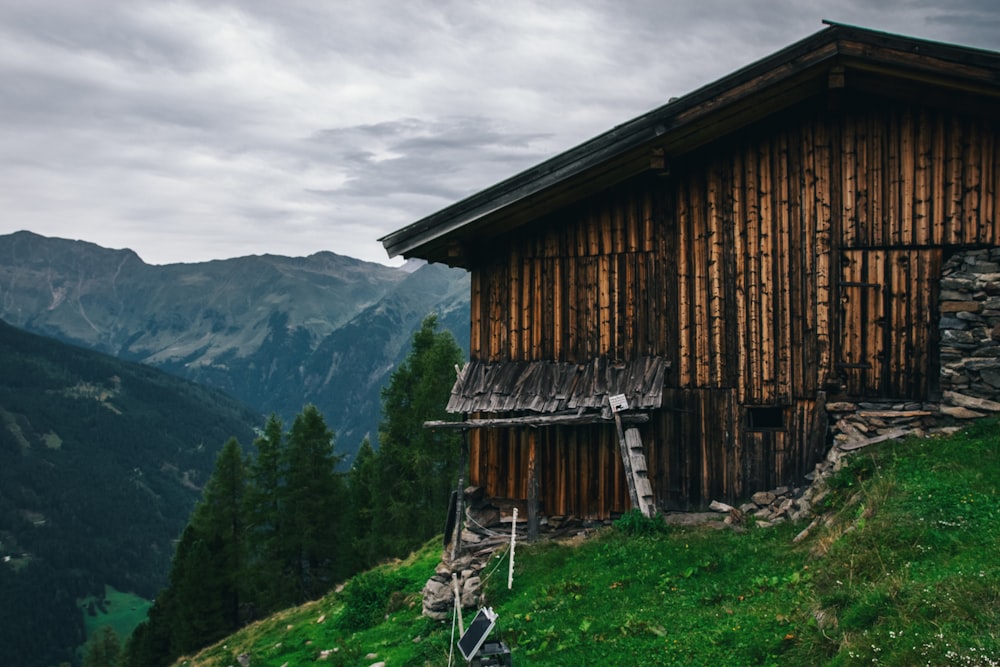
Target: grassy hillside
{"x": 904, "y": 569}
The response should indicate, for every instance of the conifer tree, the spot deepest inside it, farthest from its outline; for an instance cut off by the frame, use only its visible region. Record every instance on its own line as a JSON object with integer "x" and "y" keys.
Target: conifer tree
{"x": 203, "y": 599}
{"x": 362, "y": 495}
{"x": 311, "y": 506}
{"x": 268, "y": 577}
{"x": 417, "y": 467}
{"x": 208, "y": 566}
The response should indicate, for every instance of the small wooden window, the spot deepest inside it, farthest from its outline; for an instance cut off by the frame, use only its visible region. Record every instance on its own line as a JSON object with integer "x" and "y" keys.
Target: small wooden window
{"x": 767, "y": 418}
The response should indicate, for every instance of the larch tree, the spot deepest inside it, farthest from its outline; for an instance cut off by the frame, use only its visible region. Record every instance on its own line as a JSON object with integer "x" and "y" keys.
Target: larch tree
{"x": 203, "y": 600}
{"x": 208, "y": 566}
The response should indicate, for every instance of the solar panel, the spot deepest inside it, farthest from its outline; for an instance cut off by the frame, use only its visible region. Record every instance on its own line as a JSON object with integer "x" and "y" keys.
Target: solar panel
{"x": 477, "y": 633}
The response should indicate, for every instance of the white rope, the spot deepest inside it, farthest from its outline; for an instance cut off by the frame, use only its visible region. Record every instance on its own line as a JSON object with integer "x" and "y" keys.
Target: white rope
{"x": 499, "y": 562}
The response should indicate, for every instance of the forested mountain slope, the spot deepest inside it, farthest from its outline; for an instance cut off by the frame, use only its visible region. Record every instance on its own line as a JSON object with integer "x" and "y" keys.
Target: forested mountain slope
{"x": 275, "y": 332}
{"x": 101, "y": 462}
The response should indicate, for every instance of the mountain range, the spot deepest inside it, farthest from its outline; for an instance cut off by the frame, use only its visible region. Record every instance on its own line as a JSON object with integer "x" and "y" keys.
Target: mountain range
{"x": 274, "y": 332}
{"x": 101, "y": 462}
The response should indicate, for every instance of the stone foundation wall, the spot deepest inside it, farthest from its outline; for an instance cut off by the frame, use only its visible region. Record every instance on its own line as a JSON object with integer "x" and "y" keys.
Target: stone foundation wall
{"x": 969, "y": 354}
{"x": 970, "y": 334}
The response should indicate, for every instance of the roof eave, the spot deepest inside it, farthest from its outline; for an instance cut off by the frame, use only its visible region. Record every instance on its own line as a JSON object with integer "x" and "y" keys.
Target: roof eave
{"x": 428, "y": 237}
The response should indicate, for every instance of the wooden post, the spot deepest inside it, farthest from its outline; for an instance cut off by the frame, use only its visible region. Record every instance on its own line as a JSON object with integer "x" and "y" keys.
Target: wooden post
{"x": 532, "y": 487}
{"x": 513, "y": 541}
{"x": 458, "y": 603}
{"x": 456, "y": 544}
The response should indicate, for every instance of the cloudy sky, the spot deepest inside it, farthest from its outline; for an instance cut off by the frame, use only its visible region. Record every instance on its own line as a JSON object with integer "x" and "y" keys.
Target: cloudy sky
{"x": 199, "y": 130}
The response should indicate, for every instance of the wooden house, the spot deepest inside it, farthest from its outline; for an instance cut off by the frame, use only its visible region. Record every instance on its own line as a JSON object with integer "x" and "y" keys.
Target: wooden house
{"x": 731, "y": 263}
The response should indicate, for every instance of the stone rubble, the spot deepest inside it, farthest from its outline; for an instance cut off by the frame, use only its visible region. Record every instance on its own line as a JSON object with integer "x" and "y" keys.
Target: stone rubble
{"x": 484, "y": 543}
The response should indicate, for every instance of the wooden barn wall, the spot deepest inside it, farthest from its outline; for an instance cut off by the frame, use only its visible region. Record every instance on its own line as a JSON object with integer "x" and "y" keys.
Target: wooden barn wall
{"x": 702, "y": 448}
{"x": 579, "y": 470}
{"x": 765, "y": 269}
{"x": 918, "y": 177}
{"x": 574, "y": 291}
{"x": 888, "y": 333}
{"x": 915, "y": 181}
{"x": 750, "y": 237}
{"x": 698, "y": 450}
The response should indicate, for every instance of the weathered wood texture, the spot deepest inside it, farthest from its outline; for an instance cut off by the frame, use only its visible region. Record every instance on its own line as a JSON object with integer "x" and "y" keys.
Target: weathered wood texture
{"x": 797, "y": 256}
{"x": 579, "y": 469}
{"x": 550, "y": 387}
{"x": 918, "y": 177}
{"x": 888, "y": 339}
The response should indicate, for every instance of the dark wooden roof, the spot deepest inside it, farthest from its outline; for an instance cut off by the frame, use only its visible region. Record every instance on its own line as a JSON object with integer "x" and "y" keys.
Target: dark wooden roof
{"x": 838, "y": 57}
{"x": 550, "y": 387}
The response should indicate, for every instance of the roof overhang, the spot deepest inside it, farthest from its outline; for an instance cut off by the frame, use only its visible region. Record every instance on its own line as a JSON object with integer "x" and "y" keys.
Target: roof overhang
{"x": 835, "y": 58}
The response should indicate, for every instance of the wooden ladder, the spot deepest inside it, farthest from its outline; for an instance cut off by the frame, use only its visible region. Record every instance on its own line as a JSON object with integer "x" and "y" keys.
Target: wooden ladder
{"x": 634, "y": 462}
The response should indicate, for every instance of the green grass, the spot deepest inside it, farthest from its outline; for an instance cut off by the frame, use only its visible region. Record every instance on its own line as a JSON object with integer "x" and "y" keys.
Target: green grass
{"x": 905, "y": 571}
{"x": 383, "y": 619}
{"x": 122, "y": 611}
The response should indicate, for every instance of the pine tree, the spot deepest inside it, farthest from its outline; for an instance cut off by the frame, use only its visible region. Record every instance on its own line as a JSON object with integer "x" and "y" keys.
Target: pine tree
{"x": 417, "y": 467}
{"x": 203, "y": 600}
{"x": 361, "y": 505}
{"x": 268, "y": 576}
{"x": 311, "y": 506}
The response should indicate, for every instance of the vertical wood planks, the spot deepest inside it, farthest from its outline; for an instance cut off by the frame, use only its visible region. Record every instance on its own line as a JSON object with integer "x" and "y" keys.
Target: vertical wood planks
{"x": 917, "y": 176}
{"x": 822, "y": 215}
{"x": 766, "y": 266}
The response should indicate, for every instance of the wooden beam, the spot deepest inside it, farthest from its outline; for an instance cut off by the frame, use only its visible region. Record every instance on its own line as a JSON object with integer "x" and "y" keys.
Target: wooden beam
{"x": 537, "y": 420}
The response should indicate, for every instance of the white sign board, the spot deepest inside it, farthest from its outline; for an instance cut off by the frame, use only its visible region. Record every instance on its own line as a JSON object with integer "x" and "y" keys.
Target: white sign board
{"x": 618, "y": 402}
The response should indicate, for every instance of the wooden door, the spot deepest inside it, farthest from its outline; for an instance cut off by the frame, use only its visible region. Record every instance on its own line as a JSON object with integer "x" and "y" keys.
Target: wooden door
{"x": 887, "y": 343}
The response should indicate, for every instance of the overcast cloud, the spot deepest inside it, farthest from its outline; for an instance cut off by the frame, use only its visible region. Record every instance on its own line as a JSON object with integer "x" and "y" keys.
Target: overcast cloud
{"x": 190, "y": 131}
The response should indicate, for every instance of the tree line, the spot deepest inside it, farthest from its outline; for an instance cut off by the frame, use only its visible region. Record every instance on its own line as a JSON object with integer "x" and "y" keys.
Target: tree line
{"x": 279, "y": 525}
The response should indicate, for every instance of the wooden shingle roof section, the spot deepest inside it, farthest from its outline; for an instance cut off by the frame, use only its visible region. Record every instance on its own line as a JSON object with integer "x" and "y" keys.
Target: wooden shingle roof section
{"x": 550, "y": 387}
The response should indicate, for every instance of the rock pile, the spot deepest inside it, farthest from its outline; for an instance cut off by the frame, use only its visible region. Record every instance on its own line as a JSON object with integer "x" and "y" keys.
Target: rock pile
{"x": 480, "y": 539}
{"x": 856, "y": 425}
{"x": 484, "y": 542}
{"x": 463, "y": 573}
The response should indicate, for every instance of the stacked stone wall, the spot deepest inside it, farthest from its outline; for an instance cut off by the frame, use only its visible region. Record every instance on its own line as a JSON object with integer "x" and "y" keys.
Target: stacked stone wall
{"x": 970, "y": 334}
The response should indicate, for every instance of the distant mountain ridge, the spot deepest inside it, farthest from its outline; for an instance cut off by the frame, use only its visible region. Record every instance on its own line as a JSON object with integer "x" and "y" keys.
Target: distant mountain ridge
{"x": 274, "y": 332}
{"x": 101, "y": 462}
